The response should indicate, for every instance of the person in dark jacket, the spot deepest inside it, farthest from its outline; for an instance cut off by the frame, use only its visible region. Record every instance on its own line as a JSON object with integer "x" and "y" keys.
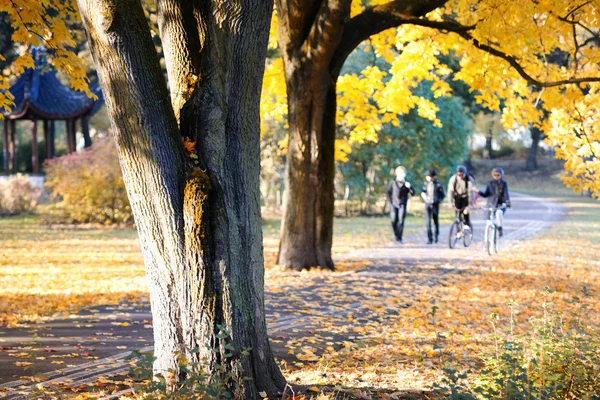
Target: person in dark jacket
{"x": 496, "y": 193}
{"x": 397, "y": 195}
{"x": 432, "y": 194}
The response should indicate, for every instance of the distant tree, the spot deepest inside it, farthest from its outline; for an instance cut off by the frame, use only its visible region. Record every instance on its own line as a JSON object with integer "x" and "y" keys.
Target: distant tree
{"x": 416, "y": 144}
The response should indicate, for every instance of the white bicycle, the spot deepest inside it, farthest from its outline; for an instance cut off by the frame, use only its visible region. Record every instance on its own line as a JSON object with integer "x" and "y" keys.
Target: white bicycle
{"x": 491, "y": 234}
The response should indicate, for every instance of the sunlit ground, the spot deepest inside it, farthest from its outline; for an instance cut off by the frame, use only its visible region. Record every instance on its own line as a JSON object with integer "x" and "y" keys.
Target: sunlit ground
{"x": 450, "y": 321}
{"x": 59, "y": 269}
{"x": 412, "y": 326}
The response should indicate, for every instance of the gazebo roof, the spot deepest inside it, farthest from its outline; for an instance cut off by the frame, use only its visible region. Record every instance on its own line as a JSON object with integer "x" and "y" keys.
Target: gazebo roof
{"x": 39, "y": 94}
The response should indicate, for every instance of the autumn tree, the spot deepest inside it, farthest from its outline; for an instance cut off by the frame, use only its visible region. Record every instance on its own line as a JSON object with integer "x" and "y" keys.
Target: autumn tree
{"x": 190, "y": 161}
{"x": 502, "y": 47}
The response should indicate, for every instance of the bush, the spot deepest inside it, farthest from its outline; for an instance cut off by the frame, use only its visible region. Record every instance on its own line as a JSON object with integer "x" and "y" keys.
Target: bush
{"x": 18, "y": 195}
{"x": 557, "y": 359}
{"x": 89, "y": 185}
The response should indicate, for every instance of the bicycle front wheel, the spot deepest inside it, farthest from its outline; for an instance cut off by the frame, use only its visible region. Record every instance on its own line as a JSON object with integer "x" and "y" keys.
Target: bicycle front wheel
{"x": 453, "y": 238}
{"x": 491, "y": 240}
{"x": 467, "y": 235}
{"x": 496, "y": 241}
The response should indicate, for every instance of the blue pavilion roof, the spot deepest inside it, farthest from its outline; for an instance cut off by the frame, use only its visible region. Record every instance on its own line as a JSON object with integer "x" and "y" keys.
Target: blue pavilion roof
{"x": 39, "y": 94}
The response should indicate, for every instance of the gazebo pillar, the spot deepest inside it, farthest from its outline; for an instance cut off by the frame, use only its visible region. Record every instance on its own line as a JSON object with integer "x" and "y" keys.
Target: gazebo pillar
{"x": 11, "y": 147}
{"x": 70, "y": 146}
{"x": 46, "y": 140}
{"x": 52, "y": 138}
{"x": 35, "y": 164}
{"x": 85, "y": 129}
{"x": 5, "y": 154}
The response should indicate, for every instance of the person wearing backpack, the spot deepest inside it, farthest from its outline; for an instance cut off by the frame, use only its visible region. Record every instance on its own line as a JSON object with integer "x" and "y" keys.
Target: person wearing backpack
{"x": 397, "y": 195}
{"x": 460, "y": 192}
{"x": 432, "y": 194}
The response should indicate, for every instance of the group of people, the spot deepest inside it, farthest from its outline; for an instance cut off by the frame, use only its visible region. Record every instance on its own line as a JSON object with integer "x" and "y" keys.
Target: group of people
{"x": 461, "y": 189}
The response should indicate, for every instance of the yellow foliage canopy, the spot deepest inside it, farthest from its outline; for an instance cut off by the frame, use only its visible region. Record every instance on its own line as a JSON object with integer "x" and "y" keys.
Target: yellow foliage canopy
{"x": 44, "y": 22}
{"x": 553, "y": 43}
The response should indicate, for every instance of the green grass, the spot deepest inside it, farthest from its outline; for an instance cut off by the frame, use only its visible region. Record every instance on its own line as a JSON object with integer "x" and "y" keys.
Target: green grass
{"x": 543, "y": 182}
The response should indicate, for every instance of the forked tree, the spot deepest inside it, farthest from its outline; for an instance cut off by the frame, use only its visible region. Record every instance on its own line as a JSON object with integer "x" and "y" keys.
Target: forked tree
{"x": 190, "y": 158}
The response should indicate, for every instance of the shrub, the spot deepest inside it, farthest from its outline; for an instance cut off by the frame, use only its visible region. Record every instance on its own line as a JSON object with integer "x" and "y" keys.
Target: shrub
{"x": 89, "y": 185}
{"x": 17, "y": 195}
{"x": 557, "y": 359}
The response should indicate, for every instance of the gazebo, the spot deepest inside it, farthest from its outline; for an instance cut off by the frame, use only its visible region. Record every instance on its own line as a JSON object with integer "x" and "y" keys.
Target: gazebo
{"x": 40, "y": 96}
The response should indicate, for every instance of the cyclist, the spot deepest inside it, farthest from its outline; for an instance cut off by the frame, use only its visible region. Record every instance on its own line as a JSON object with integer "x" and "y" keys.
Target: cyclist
{"x": 397, "y": 195}
{"x": 460, "y": 192}
{"x": 496, "y": 193}
{"x": 432, "y": 193}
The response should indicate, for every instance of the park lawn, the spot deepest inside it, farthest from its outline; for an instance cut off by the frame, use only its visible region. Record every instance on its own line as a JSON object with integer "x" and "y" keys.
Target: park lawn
{"x": 450, "y": 323}
{"x": 45, "y": 270}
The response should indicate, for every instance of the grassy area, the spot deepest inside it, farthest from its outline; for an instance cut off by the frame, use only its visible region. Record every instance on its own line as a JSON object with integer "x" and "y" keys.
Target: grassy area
{"x": 46, "y": 270}
{"x": 544, "y": 181}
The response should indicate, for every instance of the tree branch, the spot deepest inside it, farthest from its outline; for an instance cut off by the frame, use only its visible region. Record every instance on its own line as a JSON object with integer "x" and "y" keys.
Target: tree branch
{"x": 375, "y": 20}
{"x": 513, "y": 61}
{"x": 183, "y": 36}
{"x": 296, "y": 17}
{"x": 326, "y": 31}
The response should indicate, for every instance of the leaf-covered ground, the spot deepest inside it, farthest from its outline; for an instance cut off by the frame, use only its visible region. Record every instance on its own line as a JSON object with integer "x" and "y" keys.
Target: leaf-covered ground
{"x": 411, "y": 318}
{"x": 46, "y": 270}
{"x": 436, "y": 313}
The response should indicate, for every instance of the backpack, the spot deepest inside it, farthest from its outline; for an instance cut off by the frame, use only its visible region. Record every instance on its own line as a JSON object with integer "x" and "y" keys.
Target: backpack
{"x": 469, "y": 179}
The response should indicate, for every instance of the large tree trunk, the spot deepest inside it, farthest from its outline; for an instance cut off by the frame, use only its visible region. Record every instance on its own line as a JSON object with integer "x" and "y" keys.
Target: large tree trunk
{"x": 307, "y": 225}
{"x": 199, "y": 222}
{"x": 309, "y": 33}
{"x": 536, "y": 136}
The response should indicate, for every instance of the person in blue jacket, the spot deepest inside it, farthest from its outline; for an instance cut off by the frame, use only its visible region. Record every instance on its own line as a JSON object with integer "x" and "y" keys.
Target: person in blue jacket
{"x": 496, "y": 193}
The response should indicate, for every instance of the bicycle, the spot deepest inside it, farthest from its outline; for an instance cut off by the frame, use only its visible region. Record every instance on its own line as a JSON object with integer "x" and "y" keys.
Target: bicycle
{"x": 460, "y": 230}
{"x": 491, "y": 238}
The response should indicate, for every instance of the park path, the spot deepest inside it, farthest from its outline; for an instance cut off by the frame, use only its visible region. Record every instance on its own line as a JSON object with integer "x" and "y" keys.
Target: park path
{"x": 76, "y": 351}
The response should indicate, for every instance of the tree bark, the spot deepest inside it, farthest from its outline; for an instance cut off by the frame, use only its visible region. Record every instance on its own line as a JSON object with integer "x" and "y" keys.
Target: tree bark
{"x": 309, "y": 36}
{"x": 199, "y": 222}
{"x": 488, "y": 152}
{"x": 536, "y": 136}
{"x": 307, "y": 225}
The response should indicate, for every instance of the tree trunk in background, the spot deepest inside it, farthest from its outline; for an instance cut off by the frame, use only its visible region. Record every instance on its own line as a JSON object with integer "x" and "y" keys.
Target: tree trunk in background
{"x": 488, "y": 150}
{"x": 316, "y": 37}
{"x": 199, "y": 224}
{"x": 536, "y": 136}
{"x": 307, "y": 225}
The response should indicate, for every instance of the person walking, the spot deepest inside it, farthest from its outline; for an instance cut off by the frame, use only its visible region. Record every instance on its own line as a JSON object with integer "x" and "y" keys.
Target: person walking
{"x": 460, "y": 193}
{"x": 397, "y": 195}
{"x": 433, "y": 194}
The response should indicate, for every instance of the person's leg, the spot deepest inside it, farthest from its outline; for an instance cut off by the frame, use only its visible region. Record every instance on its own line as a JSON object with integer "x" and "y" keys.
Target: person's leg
{"x": 428, "y": 215}
{"x": 394, "y": 217}
{"x": 435, "y": 208}
{"x": 401, "y": 216}
{"x": 499, "y": 220}
{"x": 462, "y": 203}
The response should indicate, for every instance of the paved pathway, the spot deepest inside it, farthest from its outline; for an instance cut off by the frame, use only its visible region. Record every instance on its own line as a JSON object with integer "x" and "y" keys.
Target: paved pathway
{"x": 96, "y": 342}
